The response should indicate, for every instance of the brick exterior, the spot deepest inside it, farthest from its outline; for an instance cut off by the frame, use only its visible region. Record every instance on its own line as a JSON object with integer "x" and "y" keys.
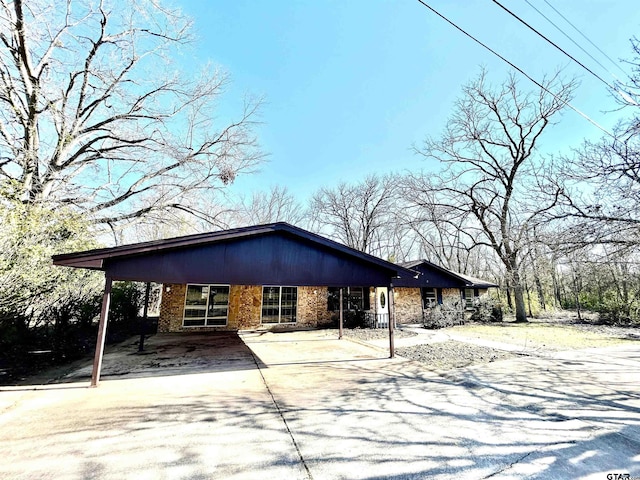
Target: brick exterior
{"x": 245, "y": 305}
{"x": 312, "y": 307}
{"x": 451, "y": 294}
{"x": 408, "y": 305}
{"x": 171, "y": 308}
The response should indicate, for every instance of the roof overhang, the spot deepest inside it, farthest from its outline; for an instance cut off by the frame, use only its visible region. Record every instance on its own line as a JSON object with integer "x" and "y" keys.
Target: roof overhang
{"x": 281, "y": 246}
{"x": 463, "y": 280}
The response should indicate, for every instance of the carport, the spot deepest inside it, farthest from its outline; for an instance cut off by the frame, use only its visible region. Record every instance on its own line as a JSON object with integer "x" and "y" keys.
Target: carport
{"x": 272, "y": 254}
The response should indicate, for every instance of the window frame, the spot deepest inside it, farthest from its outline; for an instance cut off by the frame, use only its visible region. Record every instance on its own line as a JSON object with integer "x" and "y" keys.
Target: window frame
{"x": 205, "y": 318}
{"x": 468, "y": 300}
{"x": 295, "y": 306}
{"x": 333, "y": 304}
{"x": 424, "y": 297}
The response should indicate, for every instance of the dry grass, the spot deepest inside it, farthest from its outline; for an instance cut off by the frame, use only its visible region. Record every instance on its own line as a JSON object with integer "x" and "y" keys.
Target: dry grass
{"x": 539, "y": 335}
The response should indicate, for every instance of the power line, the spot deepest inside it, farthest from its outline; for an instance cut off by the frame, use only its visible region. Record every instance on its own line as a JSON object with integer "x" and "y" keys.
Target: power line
{"x": 565, "y": 102}
{"x": 573, "y": 41}
{"x": 554, "y": 44}
{"x": 585, "y": 37}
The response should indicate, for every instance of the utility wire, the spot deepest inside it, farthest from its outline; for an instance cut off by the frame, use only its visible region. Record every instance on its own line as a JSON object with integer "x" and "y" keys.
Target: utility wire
{"x": 572, "y": 40}
{"x": 583, "y": 115}
{"x": 554, "y": 44}
{"x": 626, "y": 96}
{"x": 586, "y": 38}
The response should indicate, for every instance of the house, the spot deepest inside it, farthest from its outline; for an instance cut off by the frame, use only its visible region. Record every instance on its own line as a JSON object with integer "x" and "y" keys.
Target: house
{"x": 263, "y": 276}
{"x": 432, "y": 285}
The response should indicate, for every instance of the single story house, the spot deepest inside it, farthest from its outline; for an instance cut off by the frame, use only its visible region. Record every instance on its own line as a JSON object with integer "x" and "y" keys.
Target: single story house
{"x": 432, "y": 285}
{"x": 266, "y": 276}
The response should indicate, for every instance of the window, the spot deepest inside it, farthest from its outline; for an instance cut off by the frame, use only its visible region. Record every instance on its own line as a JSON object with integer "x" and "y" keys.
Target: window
{"x": 468, "y": 297}
{"x": 353, "y": 298}
{"x": 279, "y": 304}
{"x": 206, "y": 305}
{"x": 429, "y": 297}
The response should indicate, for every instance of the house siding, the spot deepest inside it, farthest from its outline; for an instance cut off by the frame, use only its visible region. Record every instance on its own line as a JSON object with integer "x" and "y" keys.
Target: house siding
{"x": 245, "y": 304}
{"x": 245, "y": 308}
{"x": 313, "y": 307}
{"x": 449, "y": 294}
{"x": 408, "y": 305}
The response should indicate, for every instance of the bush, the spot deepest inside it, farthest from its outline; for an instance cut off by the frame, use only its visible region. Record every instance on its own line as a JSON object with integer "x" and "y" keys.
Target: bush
{"x": 350, "y": 319}
{"x": 126, "y": 302}
{"x": 486, "y": 309}
{"x": 447, "y": 314}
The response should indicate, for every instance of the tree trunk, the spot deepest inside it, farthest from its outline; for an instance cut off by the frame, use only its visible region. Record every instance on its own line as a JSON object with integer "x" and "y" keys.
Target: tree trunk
{"x": 538, "y": 284}
{"x": 576, "y": 291}
{"x": 521, "y": 312}
{"x": 509, "y": 301}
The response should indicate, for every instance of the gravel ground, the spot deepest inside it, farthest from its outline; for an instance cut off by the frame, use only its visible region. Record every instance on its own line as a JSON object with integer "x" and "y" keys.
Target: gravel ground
{"x": 439, "y": 356}
{"x": 452, "y": 354}
{"x": 375, "y": 334}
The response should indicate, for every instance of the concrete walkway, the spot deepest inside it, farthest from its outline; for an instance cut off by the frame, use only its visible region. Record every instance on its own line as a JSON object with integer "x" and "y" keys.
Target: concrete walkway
{"x": 323, "y": 408}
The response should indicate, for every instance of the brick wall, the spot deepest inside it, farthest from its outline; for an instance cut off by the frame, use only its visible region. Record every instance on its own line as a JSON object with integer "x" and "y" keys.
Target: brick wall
{"x": 312, "y": 306}
{"x": 449, "y": 294}
{"x": 171, "y": 307}
{"x": 408, "y": 305}
{"x": 245, "y": 303}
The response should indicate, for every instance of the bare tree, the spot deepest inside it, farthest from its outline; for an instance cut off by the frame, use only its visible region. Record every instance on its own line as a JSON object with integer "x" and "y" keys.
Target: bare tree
{"x": 439, "y": 230}
{"x": 602, "y": 179}
{"x": 357, "y": 215}
{"x": 275, "y": 205}
{"x": 492, "y": 181}
{"x": 602, "y": 192}
{"x": 94, "y": 115}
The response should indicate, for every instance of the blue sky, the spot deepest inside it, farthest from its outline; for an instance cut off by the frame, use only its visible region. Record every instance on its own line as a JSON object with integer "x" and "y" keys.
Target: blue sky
{"x": 351, "y": 85}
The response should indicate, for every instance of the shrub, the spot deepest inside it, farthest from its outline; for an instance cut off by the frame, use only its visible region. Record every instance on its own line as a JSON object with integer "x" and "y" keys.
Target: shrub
{"x": 486, "y": 309}
{"x": 350, "y": 319}
{"x": 450, "y": 312}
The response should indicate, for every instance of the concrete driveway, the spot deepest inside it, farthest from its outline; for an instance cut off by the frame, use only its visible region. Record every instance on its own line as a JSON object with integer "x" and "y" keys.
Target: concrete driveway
{"x": 306, "y": 405}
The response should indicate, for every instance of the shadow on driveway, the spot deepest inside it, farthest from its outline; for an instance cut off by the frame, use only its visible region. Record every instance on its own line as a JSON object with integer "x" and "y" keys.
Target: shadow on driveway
{"x": 323, "y": 408}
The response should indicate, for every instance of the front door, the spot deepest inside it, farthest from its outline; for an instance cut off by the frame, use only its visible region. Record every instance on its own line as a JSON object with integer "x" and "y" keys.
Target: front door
{"x": 382, "y": 307}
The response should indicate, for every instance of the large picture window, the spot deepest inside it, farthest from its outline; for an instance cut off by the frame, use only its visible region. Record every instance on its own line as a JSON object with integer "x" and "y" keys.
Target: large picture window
{"x": 206, "y": 306}
{"x": 353, "y": 298}
{"x": 279, "y": 304}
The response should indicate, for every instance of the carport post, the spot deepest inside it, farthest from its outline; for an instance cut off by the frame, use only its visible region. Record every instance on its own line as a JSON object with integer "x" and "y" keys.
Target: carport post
{"x": 145, "y": 311}
{"x": 102, "y": 330}
{"x": 340, "y": 324}
{"x": 392, "y": 321}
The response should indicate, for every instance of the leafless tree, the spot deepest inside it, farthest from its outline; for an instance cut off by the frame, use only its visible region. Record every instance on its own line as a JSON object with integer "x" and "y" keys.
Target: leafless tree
{"x": 93, "y": 113}
{"x": 492, "y": 183}
{"x": 357, "y": 215}
{"x": 602, "y": 178}
{"x": 275, "y": 205}
{"x": 438, "y": 231}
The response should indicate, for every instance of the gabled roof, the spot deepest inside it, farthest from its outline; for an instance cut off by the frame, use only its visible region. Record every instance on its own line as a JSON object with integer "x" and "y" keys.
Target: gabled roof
{"x": 467, "y": 280}
{"x": 93, "y": 258}
{"x": 103, "y": 258}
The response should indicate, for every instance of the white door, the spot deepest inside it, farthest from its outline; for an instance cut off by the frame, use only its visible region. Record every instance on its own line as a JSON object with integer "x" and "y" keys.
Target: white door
{"x": 382, "y": 307}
